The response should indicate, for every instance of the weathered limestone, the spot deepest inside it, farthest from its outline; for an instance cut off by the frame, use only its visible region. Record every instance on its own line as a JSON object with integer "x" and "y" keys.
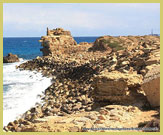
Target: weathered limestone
{"x": 130, "y": 43}
{"x": 58, "y": 31}
{"x": 57, "y": 41}
{"x": 10, "y": 58}
{"x": 151, "y": 85}
{"x": 100, "y": 44}
{"x": 115, "y": 86}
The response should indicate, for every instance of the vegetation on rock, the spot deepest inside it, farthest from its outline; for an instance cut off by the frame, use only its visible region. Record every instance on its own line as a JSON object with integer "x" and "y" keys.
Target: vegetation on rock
{"x": 114, "y": 45}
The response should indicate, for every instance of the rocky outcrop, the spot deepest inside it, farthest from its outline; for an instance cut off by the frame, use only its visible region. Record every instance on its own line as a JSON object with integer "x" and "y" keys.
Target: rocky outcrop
{"x": 115, "y": 87}
{"x": 151, "y": 85}
{"x": 128, "y": 43}
{"x": 10, "y": 58}
{"x": 143, "y": 60}
{"x": 84, "y": 81}
{"x": 101, "y": 44}
{"x": 57, "y": 41}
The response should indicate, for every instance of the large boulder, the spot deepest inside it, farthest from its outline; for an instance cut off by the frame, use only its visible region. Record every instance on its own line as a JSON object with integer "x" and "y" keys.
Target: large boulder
{"x": 151, "y": 85}
{"x": 115, "y": 86}
{"x": 10, "y": 58}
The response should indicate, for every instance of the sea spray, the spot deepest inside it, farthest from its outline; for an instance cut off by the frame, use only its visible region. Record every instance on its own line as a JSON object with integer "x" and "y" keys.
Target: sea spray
{"x": 20, "y": 90}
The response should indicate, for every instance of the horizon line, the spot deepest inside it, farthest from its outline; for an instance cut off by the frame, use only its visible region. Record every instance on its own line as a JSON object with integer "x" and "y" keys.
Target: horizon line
{"x": 81, "y": 36}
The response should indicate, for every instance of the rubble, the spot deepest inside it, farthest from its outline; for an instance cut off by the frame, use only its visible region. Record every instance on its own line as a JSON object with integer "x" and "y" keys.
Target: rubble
{"x": 93, "y": 79}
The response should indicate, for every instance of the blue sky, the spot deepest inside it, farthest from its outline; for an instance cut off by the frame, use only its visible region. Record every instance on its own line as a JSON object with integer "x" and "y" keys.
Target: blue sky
{"x": 92, "y": 19}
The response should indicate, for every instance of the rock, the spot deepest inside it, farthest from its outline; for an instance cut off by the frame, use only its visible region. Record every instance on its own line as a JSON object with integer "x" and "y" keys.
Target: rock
{"x": 5, "y": 128}
{"x": 114, "y": 86}
{"x": 139, "y": 62}
{"x": 99, "y": 122}
{"x": 88, "y": 108}
{"x": 150, "y": 126}
{"x": 57, "y": 41}
{"x": 74, "y": 129}
{"x": 101, "y": 117}
{"x": 88, "y": 124}
{"x": 100, "y": 44}
{"x": 11, "y": 124}
{"x": 18, "y": 129}
{"x": 115, "y": 118}
{"x": 10, "y": 58}
{"x": 21, "y": 120}
{"x": 16, "y": 122}
{"x": 104, "y": 112}
{"x": 92, "y": 117}
{"x": 151, "y": 86}
{"x": 152, "y": 61}
{"x": 125, "y": 63}
{"x": 77, "y": 106}
{"x": 83, "y": 43}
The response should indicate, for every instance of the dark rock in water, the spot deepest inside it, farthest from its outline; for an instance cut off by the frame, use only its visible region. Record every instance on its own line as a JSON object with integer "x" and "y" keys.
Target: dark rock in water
{"x": 10, "y": 58}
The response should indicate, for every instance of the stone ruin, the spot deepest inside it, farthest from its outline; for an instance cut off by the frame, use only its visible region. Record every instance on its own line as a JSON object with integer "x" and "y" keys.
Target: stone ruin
{"x": 57, "y": 41}
{"x": 58, "y": 31}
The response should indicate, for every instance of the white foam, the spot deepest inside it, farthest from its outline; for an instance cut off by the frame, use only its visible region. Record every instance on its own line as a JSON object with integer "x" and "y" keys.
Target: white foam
{"x": 20, "y": 90}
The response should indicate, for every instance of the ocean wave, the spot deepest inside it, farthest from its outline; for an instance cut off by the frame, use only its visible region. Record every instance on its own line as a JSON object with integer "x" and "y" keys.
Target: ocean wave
{"x": 20, "y": 90}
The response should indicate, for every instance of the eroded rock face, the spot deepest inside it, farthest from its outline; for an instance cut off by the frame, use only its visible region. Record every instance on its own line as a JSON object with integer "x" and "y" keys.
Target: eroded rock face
{"x": 57, "y": 41}
{"x": 151, "y": 85}
{"x": 10, "y": 58}
{"x": 115, "y": 86}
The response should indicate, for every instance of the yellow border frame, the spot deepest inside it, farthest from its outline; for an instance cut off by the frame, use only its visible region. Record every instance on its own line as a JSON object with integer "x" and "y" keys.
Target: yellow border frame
{"x": 66, "y": 1}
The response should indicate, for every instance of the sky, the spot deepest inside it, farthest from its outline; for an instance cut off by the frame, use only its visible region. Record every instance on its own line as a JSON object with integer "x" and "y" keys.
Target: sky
{"x": 82, "y": 19}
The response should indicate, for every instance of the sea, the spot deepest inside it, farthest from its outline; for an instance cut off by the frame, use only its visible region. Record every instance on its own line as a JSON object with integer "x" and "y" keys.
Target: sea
{"x": 20, "y": 87}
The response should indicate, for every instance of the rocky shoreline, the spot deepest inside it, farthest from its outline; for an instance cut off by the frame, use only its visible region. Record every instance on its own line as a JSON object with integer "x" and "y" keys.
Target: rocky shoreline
{"x": 98, "y": 85}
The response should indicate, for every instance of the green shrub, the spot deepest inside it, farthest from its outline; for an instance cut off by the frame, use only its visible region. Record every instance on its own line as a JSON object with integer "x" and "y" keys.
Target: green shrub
{"x": 114, "y": 45}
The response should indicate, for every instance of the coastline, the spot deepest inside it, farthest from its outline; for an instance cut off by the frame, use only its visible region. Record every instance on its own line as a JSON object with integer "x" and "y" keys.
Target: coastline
{"x": 20, "y": 86}
{"x": 73, "y": 89}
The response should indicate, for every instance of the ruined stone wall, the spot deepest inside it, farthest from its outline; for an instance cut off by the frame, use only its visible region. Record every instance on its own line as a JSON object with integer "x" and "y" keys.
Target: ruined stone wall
{"x": 58, "y": 31}
{"x": 57, "y": 41}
